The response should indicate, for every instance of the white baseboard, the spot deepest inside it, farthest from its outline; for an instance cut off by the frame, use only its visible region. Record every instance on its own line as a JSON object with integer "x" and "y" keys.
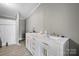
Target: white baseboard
{"x": 21, "y": 38}
{"x": 9, "y": 43}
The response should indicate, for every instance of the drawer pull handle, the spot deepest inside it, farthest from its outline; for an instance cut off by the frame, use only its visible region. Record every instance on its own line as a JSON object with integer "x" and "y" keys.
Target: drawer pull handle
{"x": 45, "y": 44}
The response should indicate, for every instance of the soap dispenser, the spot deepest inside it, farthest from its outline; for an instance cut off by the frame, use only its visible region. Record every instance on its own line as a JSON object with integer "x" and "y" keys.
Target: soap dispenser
{"x": 46, "y": 33}
{"x": 34, "y": 30}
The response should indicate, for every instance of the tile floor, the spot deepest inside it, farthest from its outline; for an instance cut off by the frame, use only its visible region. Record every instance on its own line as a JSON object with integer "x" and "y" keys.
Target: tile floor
{"x": 14, "y": 50}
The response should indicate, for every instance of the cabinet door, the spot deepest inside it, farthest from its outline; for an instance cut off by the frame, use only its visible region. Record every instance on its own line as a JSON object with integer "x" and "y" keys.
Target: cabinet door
{"x": 49, "y": 49}
{"x": 53, "y": 49}
{"x": 43, "y": 49}
{"x": 34, "y": 46}
{"x": 28, "y": 42}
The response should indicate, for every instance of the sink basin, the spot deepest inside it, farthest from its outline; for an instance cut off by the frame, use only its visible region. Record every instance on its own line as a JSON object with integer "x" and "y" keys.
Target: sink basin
{"x": 54, "y": 37}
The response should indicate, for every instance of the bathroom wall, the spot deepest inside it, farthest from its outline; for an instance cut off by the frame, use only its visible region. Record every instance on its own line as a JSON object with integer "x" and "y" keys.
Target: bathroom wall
{"x": 35, "y": 20}
{"x": 7, "y": 31}
{"x": 62, "y": 19}
{"x": 22, "y": 27}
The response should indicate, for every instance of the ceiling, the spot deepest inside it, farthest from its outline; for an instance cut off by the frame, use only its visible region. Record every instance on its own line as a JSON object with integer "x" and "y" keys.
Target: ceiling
{"x": 11, "y": 9}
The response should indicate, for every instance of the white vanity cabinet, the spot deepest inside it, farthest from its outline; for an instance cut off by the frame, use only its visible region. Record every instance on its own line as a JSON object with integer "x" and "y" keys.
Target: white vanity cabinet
{"x": 32, "y": 44}
{"x": 40, "y": 45}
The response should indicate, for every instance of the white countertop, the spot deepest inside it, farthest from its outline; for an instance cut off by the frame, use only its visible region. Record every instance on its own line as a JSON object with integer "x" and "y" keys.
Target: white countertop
{"x": 46, "y": 38}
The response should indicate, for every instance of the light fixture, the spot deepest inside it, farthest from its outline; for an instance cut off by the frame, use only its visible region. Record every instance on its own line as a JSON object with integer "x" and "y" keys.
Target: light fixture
{"x": 9, "y": 4}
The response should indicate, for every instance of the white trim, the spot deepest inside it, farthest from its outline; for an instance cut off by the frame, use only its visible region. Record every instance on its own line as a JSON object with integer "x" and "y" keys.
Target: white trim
{"x": 10, "y": 17}
{"x": 21, "y": 38}
{"x": 4, "y": 44}
{"x": 33, "y": 10}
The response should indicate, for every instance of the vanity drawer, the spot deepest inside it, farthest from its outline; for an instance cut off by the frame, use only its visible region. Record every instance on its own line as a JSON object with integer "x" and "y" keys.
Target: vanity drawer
{"x": 33, "y": 39}
{"x": 35, "y": 48}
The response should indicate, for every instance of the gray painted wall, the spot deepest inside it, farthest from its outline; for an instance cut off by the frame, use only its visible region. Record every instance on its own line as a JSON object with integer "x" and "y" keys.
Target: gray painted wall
{"x": 22, "y": 28}
{"x": 35, "y": 20}
{"x": 62, "y": 19}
